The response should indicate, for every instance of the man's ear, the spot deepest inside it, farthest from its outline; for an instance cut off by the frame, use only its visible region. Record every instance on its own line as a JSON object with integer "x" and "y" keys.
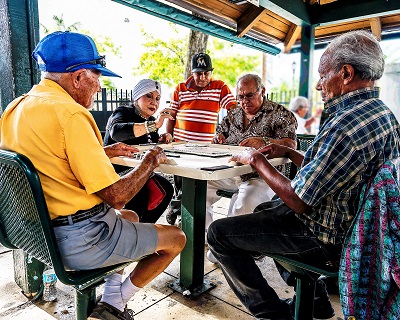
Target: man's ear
{"x": 347, "y": 73}
{"x": 76, "y": 77}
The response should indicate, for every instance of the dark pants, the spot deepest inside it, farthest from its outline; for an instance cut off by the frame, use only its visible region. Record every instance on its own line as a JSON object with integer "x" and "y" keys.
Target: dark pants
{"x": 272, "y": 228}
{"x": 140, "y": 201}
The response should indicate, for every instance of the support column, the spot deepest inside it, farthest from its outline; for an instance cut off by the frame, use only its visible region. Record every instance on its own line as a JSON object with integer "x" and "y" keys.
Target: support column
{"x": 306, "y": 61}
{"x": 19, "y": 34}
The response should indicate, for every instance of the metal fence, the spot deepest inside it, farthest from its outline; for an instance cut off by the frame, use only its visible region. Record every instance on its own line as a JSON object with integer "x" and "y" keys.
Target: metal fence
{"x": 108, "y": 100}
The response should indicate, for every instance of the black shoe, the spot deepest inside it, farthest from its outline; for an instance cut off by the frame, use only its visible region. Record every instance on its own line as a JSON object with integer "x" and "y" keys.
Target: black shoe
{"x": 105, "y": 311}
{"x": 322, "y": 309}
{"x": 171, "y": 216}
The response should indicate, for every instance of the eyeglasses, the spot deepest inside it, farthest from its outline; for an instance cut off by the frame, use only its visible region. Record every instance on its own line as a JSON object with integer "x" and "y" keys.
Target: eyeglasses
{"x": 101, "y": 61}
{"x": 204, "y": 73}
{"x": 248, "y": 96}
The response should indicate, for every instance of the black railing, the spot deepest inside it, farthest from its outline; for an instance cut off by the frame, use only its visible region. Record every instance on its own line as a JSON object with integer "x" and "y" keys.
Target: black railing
{"x": 108, "y": 100}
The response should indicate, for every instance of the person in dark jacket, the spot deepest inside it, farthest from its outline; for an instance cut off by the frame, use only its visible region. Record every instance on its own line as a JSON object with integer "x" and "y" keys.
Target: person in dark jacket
{"x": 134, "y": 123}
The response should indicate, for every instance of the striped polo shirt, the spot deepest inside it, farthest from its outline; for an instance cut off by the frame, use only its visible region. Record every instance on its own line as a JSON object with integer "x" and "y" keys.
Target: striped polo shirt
{"x": 197, "y": 112}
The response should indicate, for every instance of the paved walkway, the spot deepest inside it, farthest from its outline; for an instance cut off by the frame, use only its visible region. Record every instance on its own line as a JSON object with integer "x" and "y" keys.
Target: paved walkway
{"x": 154, "y": 302}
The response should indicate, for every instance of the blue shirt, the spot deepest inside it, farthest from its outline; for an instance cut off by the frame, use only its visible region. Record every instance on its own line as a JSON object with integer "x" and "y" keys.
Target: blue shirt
{"x": 359, "y": 134}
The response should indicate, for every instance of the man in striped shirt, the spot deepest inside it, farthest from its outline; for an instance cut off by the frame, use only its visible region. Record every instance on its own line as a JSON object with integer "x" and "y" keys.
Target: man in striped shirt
{"x": 197, "y": 102}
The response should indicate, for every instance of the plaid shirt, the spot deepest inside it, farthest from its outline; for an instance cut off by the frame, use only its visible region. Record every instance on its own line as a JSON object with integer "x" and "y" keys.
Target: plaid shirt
{"x": 358, "y": 135}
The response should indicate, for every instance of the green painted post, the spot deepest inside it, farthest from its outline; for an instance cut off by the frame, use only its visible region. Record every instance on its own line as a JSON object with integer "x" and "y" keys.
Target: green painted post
{"x": 306, "y": 61}
{"x": 193, "y": 224}
{"x": 19, "y": 34}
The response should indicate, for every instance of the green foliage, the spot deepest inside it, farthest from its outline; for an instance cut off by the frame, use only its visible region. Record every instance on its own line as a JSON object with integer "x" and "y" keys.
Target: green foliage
{"x": 165, "y": 60}
{"x": 228, "y": 65}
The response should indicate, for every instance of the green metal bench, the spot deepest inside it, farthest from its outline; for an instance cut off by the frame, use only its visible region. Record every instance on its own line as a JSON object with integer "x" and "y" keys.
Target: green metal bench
{"x": 25, "y": 224}
{"x": 305, "y": 274}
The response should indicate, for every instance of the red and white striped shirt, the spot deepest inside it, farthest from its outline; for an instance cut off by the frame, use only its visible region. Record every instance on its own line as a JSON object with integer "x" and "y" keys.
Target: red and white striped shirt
{"x": 197, "y": 112}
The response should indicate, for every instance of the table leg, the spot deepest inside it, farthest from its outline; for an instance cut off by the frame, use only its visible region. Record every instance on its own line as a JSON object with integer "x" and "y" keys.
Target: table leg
{"x": 191, "y": 282}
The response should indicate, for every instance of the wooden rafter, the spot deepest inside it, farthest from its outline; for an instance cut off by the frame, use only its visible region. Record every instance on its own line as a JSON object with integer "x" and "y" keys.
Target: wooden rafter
{"x": 326, "y": 1}
{"x": 291, "y": 37}
{"x": 248, "y": 19}
{"x": 376, "y": 27}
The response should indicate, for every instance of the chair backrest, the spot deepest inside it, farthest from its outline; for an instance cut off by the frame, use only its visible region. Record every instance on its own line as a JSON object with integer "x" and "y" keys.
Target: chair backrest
{"x": 303, "y": 143}
{"x": 25, "y": 222}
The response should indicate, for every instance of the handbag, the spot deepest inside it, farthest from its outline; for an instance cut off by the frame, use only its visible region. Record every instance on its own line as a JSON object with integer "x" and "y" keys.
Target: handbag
{"x": 156, "y": 193}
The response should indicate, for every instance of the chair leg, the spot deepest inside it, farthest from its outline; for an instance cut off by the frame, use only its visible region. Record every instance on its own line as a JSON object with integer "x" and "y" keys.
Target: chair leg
{"x": 304, "y": 308}
{"x": 85, "y": 302}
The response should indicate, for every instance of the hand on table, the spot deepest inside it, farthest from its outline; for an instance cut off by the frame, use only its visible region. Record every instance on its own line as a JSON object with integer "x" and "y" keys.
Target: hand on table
{"x": 253, "y": 142}
{"x": 120, "y": 149}
{"x": 165, "y": 138}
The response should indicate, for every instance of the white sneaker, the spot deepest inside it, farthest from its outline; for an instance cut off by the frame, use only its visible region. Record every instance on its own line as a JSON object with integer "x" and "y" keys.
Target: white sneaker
{"x": 211, "y": 257}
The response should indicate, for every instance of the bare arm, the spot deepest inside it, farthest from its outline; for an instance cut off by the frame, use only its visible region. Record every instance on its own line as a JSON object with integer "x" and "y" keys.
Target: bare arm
{"x": 278, "y": 182}
{"x": 171, "y": 123}
{"x": 119, "y": 193}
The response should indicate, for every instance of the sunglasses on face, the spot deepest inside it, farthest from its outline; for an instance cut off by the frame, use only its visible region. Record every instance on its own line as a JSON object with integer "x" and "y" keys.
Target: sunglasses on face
{"x": 101, "y": 61}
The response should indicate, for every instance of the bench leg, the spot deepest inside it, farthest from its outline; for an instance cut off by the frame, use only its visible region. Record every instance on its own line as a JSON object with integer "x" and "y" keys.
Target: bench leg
{"x": 305, "y": 291}
{"x": 28, "y": 273}
{"x": 85, "y": 302}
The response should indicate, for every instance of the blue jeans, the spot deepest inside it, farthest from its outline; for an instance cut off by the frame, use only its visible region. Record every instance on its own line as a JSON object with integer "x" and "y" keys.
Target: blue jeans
{"x": 272, "y": 228}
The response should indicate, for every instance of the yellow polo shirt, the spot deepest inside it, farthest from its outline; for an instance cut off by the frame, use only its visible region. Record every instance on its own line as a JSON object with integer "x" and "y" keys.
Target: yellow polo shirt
{"x": 63, "y": 142}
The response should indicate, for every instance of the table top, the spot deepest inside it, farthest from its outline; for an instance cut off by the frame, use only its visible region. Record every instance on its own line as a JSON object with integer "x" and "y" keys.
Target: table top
{"x": 190, "y": 165}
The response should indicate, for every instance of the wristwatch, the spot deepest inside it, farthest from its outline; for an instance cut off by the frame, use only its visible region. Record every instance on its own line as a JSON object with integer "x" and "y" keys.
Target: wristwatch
{"x": 266, "y": 140}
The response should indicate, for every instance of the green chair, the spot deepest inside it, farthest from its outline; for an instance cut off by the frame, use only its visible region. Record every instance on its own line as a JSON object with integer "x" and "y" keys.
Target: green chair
{"x": 25, "y": 224}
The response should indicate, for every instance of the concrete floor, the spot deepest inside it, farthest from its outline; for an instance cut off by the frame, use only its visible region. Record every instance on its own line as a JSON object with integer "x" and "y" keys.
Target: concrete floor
{"x": 154, "y": 302}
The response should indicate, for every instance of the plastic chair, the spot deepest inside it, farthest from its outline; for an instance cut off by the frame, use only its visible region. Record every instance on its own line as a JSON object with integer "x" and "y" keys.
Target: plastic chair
{"x": 25, "y": 224}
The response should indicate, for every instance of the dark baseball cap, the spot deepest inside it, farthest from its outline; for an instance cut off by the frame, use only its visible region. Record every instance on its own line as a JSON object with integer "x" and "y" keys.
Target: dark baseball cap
{"x": 64, "y": 51}
{"x": 201, "y": 62}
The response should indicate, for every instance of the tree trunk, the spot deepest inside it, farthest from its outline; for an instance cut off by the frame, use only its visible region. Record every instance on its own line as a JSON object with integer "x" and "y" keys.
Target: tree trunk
{"x": 197, "y": 43}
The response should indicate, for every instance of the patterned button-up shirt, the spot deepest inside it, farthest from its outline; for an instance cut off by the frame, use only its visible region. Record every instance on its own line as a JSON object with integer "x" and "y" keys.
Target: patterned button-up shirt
{"x": 358, "y": 135}
{"x": 272, "y": 120}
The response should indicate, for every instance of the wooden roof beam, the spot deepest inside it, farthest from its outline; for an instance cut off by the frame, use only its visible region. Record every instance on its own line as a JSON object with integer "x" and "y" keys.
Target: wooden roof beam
{"x": 376, "y": 27}
{"x": 248, "y": 19}
{"x": 345, "y": 11}
{"x": 291, "y": 37}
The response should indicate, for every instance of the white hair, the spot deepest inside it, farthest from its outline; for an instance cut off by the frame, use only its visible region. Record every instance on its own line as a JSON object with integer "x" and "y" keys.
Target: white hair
{"x": 297, "y": 102}
{"x": 55, "y": 76}
{"x": 361, "y": 50}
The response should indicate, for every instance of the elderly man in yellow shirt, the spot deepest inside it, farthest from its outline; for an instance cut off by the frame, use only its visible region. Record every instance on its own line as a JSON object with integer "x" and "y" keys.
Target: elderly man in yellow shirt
{"x": 52, "y": 126}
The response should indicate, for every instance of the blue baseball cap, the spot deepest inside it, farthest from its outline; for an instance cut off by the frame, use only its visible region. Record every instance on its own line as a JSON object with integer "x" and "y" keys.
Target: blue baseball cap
{"x": 65, "y": 51}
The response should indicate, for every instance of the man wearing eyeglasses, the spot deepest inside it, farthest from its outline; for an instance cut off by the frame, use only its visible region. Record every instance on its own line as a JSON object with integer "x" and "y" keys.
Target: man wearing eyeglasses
{"x": 196, "y": 104}
{"x": 256, "y": 123}
{"x": 53, "y": 127}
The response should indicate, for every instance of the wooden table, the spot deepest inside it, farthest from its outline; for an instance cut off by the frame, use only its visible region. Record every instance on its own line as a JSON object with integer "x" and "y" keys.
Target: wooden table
{"x": 194, "y": 186}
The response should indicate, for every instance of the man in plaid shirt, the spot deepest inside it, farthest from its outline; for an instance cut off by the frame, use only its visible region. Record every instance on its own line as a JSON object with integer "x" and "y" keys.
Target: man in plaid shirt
{"x": 358, "y": 133}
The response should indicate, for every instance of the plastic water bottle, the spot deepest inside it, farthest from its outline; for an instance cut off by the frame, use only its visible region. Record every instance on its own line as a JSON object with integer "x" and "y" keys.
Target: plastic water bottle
{"x": 49, "y": 283}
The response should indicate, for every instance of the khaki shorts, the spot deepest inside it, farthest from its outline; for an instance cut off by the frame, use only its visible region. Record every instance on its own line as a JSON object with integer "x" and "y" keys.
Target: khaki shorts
{"x": 103, "y": 240}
